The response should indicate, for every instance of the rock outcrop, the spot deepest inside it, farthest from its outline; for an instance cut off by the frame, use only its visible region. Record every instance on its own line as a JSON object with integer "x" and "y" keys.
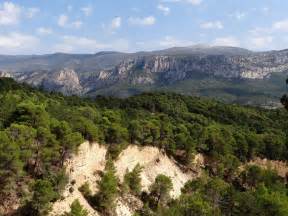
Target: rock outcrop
{"x": 5, "y": 74}
{"x": 79, "y": 74}
{"x": 65, "y": 81}
{"x": 90, "y": 161}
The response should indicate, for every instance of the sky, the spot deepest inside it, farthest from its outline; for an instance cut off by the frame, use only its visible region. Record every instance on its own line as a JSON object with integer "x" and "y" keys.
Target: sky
{"x": 90, "y": 26}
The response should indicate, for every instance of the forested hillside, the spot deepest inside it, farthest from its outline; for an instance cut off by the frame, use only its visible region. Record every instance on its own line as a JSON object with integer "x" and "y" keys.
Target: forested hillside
{"x": 39, "y": 130}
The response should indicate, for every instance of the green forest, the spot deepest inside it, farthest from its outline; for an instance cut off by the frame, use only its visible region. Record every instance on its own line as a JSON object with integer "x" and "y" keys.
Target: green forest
{"x": 39, "y": 130}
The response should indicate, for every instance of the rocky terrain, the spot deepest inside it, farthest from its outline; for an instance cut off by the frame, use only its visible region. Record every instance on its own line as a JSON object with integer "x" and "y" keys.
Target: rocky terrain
{"x": 98, "y": 73}
{"x": 90, "y": 161}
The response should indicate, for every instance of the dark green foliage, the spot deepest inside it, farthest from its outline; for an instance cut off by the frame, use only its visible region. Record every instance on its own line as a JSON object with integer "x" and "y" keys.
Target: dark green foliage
{"x": 76, "y": 209}
{"x": 42, "y": 196}
{"x": 132, "y": 180}
{"x": 108, "y": 189}
{"x": 85, "y": 190}
{"x": 39, "y": 130}
{"x": 189, "y": 205}
{"x": 10, "y": 166}
{"x": 160, "y": 191}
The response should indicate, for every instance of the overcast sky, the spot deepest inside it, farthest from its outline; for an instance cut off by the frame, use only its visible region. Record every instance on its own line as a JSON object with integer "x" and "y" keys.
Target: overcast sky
{"x": 89, "y": 26}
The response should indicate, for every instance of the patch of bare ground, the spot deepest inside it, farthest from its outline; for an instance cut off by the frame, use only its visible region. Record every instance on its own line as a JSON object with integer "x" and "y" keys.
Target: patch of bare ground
{"x": 91, "y": 159}
{"x": 280, "y": 167}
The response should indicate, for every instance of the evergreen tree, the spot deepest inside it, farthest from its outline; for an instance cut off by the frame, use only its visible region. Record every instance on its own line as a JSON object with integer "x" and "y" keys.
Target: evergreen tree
{"x": 77, "y": 209}
{"x": 108, "y": 189}
{"x": 43, "y": 194}
{"x": 160, "y": 190}
{"x": 132, "y": 180}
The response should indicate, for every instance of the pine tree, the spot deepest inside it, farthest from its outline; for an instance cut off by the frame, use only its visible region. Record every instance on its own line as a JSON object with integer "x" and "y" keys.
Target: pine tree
{"x": 77, "y": 209}
{"x": 108, "y": 189}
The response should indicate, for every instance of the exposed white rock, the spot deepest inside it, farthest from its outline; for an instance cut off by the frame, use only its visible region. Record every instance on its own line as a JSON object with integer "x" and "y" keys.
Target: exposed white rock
{"x": 85, "y": 167}
{"x": 127, "y": 205}
{"x": 65, "y": 81}
{"x": 82, "y": 168}
{"x": 78, "y": 76}
{"x": 5, "y": 74}
{"x": 154, "y": 162}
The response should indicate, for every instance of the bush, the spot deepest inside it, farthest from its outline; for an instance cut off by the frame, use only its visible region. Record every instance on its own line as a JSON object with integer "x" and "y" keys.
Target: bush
{"x": 85, "y": 190}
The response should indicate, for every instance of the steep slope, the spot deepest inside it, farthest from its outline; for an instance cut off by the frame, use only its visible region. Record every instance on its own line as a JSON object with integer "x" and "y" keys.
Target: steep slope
{"x": 281, "y": 167}
{"x": 85, "y": 167}
{"x": 154, "y": 162}
{"x": 81, "y": 168}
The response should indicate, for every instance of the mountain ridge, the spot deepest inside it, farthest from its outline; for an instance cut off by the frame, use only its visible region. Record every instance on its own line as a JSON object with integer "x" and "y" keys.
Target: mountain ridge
{"x": 99, "y": 72}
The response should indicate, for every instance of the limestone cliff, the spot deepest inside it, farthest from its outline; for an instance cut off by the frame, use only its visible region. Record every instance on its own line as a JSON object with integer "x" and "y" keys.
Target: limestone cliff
{"x": 79, "y": 74}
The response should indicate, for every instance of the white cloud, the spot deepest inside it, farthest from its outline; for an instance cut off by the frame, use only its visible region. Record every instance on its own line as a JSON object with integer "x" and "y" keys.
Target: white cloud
{"x": 265, "y": 9}
{"x": 69, "y": 8}
{"x": 239, "y": 15}
{"x": 79, "y": 44}
{"x": 170, "y": 41}
{"x": 261, "y": 42}
{"x": 165, "y": 10}
{"x": 226, "y": 41}
{"x": 62, "y": 20}
{"x": 31, "y": 12}
{"x": 281, "y": 25}
{"x": 135, "y": 9}
{"x": 88, "y": 10}
{"x": 116, "y": 23}
{"x": 17, "y": 42}
{"x": 212, "y": 25}
{"x": 77, "y": 24}
{"x": 76, "y": 44}
{"x": 44, "y": 31}
{"x": 120, "y": 45}
{"x": 258, "y": 30}
{"x": 193, "y": 2}
{"x": 144, "y": 21}
{"x": 9, "y": 13}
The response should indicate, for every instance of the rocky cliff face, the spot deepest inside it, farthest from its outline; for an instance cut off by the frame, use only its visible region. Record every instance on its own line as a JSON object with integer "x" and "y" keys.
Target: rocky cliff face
{"x": 79, "y": 74}
{"x": 174, "y": 68}
{"x": 65, "y": 80}
{"x": 4, "y": 74}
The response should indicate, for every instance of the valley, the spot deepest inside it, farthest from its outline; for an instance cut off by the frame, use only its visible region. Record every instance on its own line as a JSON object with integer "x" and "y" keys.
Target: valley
{"x": 230, "y": 74}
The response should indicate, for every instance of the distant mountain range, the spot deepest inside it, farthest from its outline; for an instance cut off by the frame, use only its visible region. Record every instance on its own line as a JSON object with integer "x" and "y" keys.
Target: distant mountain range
{"x": 227, "y": 73}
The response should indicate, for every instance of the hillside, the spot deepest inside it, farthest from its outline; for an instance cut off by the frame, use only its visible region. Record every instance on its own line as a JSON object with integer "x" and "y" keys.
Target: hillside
{"x": 41, "y": 132}
{"x": 227, "y": 73}
{"x": 90, "y": 160}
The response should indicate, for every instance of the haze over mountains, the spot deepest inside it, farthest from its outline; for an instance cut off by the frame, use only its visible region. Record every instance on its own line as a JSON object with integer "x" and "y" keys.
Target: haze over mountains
{"x": 227, "y": 73}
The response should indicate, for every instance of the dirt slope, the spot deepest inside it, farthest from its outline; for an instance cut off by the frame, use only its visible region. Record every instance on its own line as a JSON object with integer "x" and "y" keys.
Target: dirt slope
{"x": 81, "y": 168}
{"x": 280, "y": 167}
{"x": 154, "y": 162}
{"x": 91, "y": 158}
